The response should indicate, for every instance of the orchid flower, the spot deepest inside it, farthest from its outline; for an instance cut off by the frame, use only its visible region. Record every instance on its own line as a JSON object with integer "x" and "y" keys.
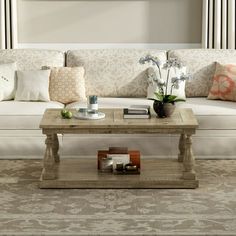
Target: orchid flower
{"x": 161, "y": 84}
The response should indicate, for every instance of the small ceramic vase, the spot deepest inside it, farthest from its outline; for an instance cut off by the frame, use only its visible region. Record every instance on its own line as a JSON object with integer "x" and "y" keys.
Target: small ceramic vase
{"x": 163, "y": 109}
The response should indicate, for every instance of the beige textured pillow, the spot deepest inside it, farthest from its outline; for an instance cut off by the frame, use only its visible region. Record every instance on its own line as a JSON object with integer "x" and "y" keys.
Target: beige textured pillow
{"x": 224, "y": 83}
{"x": 67, "y": 84}
{"x": 32, "y": 85}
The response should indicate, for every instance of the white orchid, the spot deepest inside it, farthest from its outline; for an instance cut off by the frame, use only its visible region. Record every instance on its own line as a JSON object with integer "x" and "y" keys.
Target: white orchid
{"x": 161, "y": 84}
{"x": 151, "y": 59}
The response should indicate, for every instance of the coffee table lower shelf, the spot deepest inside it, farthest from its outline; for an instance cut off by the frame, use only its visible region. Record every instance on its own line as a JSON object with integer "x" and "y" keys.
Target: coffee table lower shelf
{"x": 82, "y": 173}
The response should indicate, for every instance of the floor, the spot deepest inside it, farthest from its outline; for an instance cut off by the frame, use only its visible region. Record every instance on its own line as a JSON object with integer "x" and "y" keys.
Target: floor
{"x": 27, "y": 210}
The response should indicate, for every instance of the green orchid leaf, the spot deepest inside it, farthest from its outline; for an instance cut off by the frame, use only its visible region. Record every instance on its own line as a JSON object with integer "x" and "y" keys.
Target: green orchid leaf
{"x": 172, "y": 97}
{"x": 169, "y": 98}
{"x": 179, "y": 100}
{"x": 159, "y": 97}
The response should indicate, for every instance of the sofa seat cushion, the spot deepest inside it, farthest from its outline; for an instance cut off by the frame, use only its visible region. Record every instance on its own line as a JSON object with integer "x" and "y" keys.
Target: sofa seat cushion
{"x": 211, "y": 114}
{"x": 23, "y": 115}
{"x": 113, "y": 102}
{"x": 205, "y": 107}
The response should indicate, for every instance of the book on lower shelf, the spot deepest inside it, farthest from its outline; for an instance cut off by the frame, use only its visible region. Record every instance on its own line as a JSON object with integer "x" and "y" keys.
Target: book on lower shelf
{"x": 132, "y": 156}
{"x": 137, "y": 112}
{"x": 118, "y": 150}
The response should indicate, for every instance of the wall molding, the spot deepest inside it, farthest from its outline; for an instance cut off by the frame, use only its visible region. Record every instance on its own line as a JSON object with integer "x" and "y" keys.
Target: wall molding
{"x": 73, "y": 46}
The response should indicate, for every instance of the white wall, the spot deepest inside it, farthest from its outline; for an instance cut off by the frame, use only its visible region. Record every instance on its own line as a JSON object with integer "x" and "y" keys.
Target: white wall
{"x": 135, "y": 22}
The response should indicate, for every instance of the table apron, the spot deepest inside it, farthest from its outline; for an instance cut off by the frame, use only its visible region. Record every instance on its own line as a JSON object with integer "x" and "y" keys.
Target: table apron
{"x": 189, "y": 131}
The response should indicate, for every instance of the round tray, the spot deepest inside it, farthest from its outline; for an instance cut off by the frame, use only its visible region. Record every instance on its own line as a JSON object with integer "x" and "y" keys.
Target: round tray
{"x": 100, "y": 115}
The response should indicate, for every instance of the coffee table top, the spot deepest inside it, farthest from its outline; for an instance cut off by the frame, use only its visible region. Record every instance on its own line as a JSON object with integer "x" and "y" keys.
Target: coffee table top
{"x": 181, "y": 119}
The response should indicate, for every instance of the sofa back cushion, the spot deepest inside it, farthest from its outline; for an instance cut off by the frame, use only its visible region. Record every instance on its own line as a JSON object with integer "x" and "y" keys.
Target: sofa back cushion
{"x": 32, "y": 59}
{"x": 200, "y": 64}
{"x": 113, "y": 72}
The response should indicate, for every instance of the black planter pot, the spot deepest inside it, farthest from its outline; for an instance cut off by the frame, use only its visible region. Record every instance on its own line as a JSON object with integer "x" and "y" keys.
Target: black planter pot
{"x": 163, "y": 109}
{"x": 159, "y": 108}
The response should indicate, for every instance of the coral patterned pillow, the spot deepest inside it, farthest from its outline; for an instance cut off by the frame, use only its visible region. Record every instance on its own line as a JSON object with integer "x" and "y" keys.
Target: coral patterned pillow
{"x": 67, "y": 84}
{"x": 224, "y": 83}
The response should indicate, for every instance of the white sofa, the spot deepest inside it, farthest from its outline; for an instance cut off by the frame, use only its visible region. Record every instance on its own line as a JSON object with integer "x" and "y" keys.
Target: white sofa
{"x": 119, "y": 80}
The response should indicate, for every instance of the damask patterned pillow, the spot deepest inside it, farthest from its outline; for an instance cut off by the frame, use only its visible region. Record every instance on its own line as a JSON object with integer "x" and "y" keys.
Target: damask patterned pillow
{"x": 67, "y": 84}
{"x": 224, "y": 83}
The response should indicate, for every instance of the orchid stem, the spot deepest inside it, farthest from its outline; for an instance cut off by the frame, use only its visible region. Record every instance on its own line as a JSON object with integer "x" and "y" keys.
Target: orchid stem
{"x": 171, "y": 89}
{"x": 167, "y": 80}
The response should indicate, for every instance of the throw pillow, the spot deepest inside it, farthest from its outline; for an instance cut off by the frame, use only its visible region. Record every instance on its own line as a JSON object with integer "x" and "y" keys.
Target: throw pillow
{"x": 224, "y": 83}
{"x": 7, "y": 81}
{"x": 67, "y": 84}
{"x": 33, "y": 85}
{"x": 174, "y": 72}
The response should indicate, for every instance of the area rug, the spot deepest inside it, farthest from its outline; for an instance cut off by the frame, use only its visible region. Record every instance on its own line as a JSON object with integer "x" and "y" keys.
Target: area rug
{"x": 27, "y": 210}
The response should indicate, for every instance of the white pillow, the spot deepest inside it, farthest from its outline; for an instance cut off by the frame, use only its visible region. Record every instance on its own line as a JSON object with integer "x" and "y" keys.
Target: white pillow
{"x": 7, "y": 81}
{"x": 33, "y": 85}
{"x": 174, "y": 72}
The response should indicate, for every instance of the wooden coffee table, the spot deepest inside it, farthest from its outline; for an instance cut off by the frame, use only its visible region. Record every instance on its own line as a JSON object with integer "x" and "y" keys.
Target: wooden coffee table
{"x": 82, "y": 172}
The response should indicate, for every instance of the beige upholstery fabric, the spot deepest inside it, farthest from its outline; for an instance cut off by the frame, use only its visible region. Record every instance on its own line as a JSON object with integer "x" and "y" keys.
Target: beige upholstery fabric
{"x": 114, "y": 72}
{"x": 32, "y": 59}
{"x": 67, "y": 84}
{"x": 200, "y": 63}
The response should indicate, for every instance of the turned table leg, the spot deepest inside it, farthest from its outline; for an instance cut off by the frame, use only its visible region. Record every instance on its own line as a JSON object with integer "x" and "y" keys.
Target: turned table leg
{"x": 49, "y": 161}
{"x": 181, "y": 147}
{"x": 188, "y": 161}
{"x": 55, "y": 148}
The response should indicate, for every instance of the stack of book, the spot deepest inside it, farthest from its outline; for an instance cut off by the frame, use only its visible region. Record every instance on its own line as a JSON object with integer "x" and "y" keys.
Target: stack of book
{"x": 137, "y": 112}
{"x": 109, "y": 160}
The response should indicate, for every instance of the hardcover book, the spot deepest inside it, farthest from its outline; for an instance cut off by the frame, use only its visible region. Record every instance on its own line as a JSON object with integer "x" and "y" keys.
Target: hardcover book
{"x": 137, "y": 115}
{"x": 118, "y": 150}
{"x": 138, "y": 109}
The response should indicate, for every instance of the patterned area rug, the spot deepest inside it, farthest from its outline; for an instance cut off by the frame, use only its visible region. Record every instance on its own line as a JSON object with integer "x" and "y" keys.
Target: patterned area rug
{"x": 27, "y": 210}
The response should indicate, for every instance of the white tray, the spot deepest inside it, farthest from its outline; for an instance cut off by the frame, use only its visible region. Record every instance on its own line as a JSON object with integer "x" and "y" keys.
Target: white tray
{"x": 100, "y": 115}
